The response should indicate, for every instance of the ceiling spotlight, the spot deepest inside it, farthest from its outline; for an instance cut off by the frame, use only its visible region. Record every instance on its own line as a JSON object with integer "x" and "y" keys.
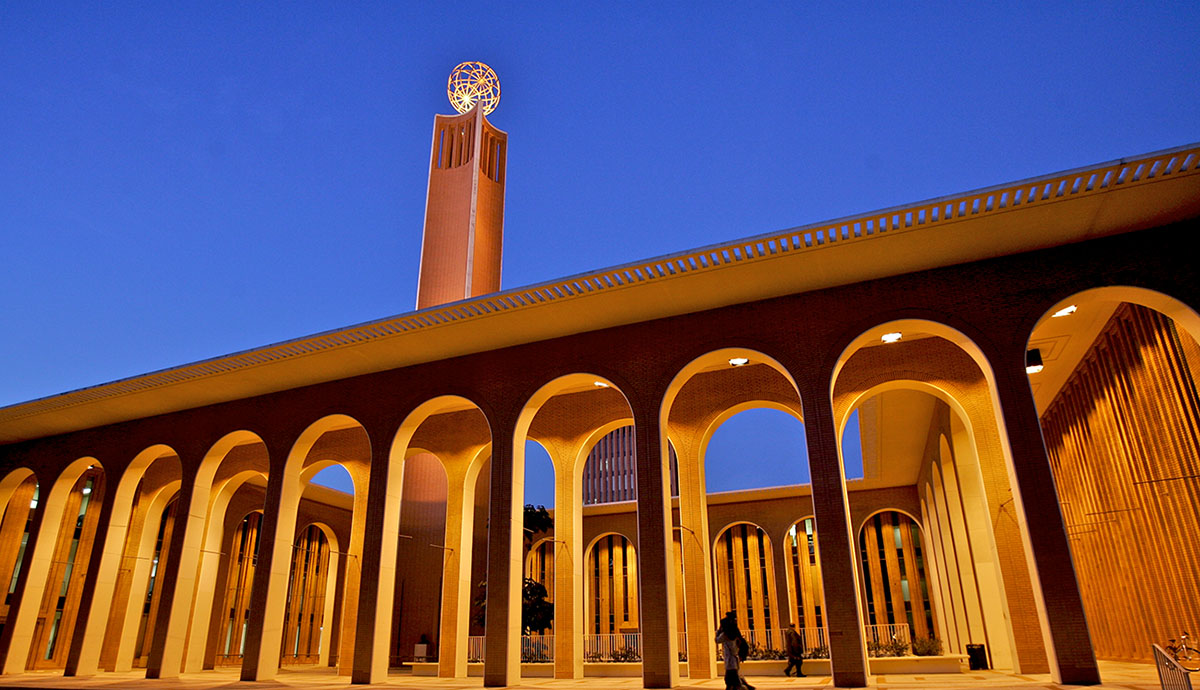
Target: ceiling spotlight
{"x": 599, "y": 384}
{"x": 1033, "y": 361}
{"x": 738, "y": 361}
{"x": 891, "y": 337}
{"x": 1065, "y": 311}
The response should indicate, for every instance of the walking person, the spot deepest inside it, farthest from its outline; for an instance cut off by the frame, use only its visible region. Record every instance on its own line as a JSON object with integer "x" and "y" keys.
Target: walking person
{"x": 729, "y": 637}
{"x": 795, "y": 652}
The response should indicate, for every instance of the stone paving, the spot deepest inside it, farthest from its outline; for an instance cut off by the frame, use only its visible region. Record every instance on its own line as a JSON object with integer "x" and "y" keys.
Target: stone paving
{"x": 1117, "y": 676}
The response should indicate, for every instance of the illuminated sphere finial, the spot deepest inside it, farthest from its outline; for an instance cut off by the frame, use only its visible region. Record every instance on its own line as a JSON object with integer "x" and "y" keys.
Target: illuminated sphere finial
{"x": 473, "y": 83}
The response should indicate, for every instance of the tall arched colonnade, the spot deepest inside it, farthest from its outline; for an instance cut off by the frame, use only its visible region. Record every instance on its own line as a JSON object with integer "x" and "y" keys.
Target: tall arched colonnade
{"x": 966, "y": 319}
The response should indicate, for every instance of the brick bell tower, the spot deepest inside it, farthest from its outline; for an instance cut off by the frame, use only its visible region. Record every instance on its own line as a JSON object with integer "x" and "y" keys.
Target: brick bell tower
{"x": 464, "y": 212}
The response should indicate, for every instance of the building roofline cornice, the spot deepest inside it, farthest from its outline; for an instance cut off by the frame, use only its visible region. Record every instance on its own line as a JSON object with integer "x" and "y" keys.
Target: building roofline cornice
{"x": 1034, "y": 213}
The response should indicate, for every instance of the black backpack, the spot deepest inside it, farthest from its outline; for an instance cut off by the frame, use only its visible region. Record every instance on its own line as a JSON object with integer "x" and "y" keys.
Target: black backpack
{"x": 743, "y": 649}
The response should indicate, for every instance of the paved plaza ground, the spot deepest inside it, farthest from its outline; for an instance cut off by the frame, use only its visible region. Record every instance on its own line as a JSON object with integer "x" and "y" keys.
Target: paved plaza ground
{"x": 1124, "y": 676}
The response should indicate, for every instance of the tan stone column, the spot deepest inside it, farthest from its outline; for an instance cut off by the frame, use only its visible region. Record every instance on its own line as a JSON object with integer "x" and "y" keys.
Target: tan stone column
{"x": 502, "y": 649}
{"x": 568, "y": 564}
{"x": 697, "y": 559}
{"x": 839, "y": 574}
{"x": 456, "y": 572}
{"x": 783, "y": 578}
{"x": 145, "y": 531}
{"x": 656, "y": 568}
{"x": 210, "y": 576}
{"x": 1047, "y": 548}
{"x": 377, "y": 581}
{"x": 14, "y": 647}
{"x": 178, "y": 584}
{"x": 352, "y": 580}
{"x": 21, "y": 622}
{"x": 84, "y": 655}
{"x": 264, "y": 631}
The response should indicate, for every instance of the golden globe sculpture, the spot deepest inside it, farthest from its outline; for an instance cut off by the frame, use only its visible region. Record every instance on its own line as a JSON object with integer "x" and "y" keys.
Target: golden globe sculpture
{"x": 473, "y": 83}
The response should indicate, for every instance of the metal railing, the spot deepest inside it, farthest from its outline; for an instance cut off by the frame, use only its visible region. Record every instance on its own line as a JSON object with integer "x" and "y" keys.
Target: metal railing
{"x": 613, "y": 647}
{"x": 816, "y": 639}
{"x": 1035, "y": 191}
{"x": 1171, "y": 676}
{"x": 885, "y": 634}
{"x": 537, "y": 648}
{"x": 764, "y": 639}
{"x": 475, "y": 645}
{"x": 628, "y": 646}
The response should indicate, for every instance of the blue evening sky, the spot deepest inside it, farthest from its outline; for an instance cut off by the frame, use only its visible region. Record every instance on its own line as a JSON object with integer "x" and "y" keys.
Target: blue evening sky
{"x": 180, "y": 180}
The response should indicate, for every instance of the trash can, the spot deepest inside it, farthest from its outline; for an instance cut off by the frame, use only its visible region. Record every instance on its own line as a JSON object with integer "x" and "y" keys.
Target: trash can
{"x": 977, "y": 657}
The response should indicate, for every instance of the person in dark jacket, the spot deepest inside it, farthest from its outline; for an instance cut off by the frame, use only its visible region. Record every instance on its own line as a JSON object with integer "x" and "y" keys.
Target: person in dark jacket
{"x": 795, "y": 652}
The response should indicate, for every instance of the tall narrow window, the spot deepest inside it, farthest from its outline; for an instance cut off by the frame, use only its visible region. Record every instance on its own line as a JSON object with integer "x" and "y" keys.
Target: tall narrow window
{"x": 893, "y": 574}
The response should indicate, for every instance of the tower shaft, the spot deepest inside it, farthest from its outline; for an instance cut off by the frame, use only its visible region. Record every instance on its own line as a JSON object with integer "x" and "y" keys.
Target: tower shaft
{"x": 464, "y": 211}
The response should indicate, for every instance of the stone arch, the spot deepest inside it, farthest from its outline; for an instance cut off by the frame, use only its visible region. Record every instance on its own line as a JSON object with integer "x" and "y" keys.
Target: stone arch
{"x": 585, "y": 448}
{"x": 806, "y": 597}
{"x": 326, "y": 588}
{"x": 42, "y": 562}
{"x": 11, "y": 481}
{"x": 894, "y": 578}
{"x": 11, "y": 496}
{"x": 610, "y": 587}
{"x": 733, "y": 411}
{"x": 344, "y": 438}
{"x": 233, "y": 460}
{"x": 707, "y": 390}
{"x": 19, "y": 500}
{"x": 432, "y": 422}
{"x": 125, "y": 542}
{"x": 152, "y": 554}
{"x": 540, "y": 565}
{"x": 738, "y": 547}
{"x": 1173, "y": 308}
{"x": 981, "y": 541}
{"x": 568, "y": 416}
{"x": 872, "y": 335}
{"x": 241, "y": 545}
{"x": 890, "y": 509}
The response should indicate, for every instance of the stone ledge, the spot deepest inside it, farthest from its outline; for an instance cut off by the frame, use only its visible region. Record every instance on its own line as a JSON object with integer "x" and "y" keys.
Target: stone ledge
{"x": 952, "y": 663}
{"x": 546, "y": 670}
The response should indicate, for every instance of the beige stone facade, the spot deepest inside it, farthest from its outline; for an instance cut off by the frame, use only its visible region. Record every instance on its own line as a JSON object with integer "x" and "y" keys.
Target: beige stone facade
{"x": 138, "y": 547}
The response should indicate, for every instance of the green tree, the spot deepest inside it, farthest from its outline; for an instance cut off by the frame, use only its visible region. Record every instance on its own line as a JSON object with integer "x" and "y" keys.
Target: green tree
{"x": 537, "y": 614}
{"x": 537, "y": 520}
{"x": 535, "y": 610}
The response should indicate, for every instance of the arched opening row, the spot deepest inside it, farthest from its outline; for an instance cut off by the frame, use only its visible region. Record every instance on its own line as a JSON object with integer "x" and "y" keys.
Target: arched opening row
{"x": 937, "y": 545}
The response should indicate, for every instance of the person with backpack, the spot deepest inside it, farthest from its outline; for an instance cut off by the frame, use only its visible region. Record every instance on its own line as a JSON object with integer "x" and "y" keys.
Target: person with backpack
{"x": 733, "y": 651}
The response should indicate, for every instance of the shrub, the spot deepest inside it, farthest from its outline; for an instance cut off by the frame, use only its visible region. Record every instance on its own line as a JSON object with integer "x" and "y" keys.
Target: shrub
{"x": 760, "y": 652}
{"x": 930, "y": 646}
{"x": 538, "y": 652}
{"x": 893, "y": 647}
{"x": 626, "y": 654}
{"x": 821, "y": 652}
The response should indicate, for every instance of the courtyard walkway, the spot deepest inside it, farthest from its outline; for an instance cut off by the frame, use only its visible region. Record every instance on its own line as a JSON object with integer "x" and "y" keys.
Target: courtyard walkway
{"x": 1122, "y": 676}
